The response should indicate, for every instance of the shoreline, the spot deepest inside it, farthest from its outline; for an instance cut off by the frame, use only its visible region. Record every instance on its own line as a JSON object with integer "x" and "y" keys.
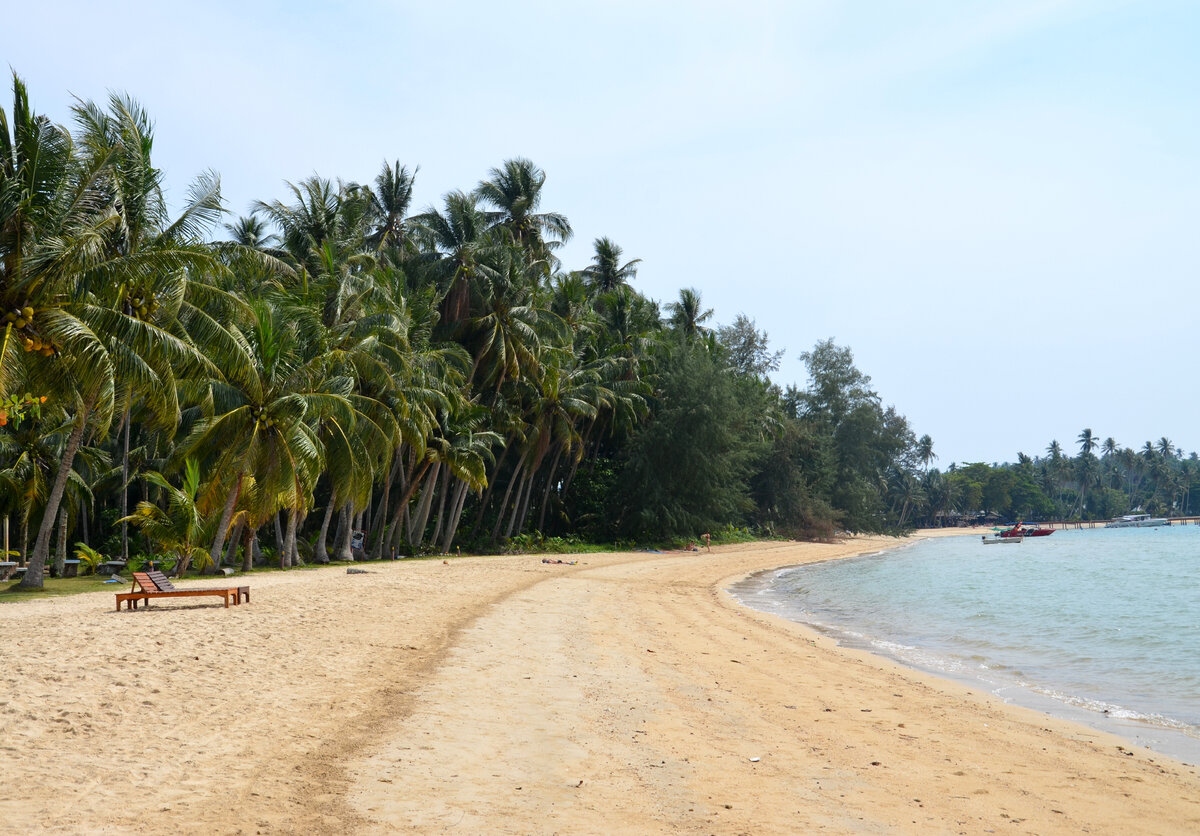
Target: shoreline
{"x": 1168, "y": 741}
{"x": 626, "y": 694}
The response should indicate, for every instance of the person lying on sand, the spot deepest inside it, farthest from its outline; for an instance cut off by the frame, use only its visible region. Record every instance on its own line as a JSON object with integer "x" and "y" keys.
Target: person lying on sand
{"x": 563, "y": 562}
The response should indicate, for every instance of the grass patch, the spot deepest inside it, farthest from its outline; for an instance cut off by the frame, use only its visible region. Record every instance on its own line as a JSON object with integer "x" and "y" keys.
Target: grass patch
{"x": 57, "y": 588}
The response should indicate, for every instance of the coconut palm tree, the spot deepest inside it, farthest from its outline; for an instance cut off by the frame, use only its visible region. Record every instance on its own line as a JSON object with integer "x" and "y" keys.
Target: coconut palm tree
{"x": 145, "y": 238}
{"x": 457, "y": 246}
{"x": 688, "y": 315}
{"x": 180, "y": 528}
{"x": 65, "y": 276}
{"x": 607, "y": 274}
{"x": 259, "y": 417}
{"x": 515, "y": 191}
{"x": 387, "y": 206}
{"x": 1087, "y": 441}
{"x": 925, "y": 451}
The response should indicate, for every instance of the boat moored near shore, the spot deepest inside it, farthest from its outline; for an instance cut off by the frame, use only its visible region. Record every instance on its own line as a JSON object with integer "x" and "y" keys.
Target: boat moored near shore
{"x": 1137, "y": 521}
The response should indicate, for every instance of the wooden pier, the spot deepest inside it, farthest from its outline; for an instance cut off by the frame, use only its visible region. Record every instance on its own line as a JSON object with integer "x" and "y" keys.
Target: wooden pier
{"x": 1062, "y": 525}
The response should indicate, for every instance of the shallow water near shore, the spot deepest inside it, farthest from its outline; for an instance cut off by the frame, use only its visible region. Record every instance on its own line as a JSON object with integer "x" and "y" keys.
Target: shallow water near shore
{"x": 1100, "y": 626}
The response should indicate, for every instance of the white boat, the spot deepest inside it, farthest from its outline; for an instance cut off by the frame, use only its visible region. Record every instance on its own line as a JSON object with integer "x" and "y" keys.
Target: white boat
{"x": 989, "y": 541}
{"x": 1137, "y": 521}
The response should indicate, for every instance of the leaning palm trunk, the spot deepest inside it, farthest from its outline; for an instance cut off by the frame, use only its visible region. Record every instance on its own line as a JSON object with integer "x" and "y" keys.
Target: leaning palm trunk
{"x": 320, "y": 555}
{"x": 516, "y": 475}
{"x": 381, "y": 512}
{"x": 527, "y": 503}
{"x": 234, "y": 538}
{"x": 526, "y": 480}
{"x": 226, "y": 515}
{"x": 441, "y": 511}
{"x": 487, "y": 494}
{"x": 417, "y": 532}
{"x": 460, "y": 498}
{"x": 35, "y": 574}
{"x": 541, "y": 526}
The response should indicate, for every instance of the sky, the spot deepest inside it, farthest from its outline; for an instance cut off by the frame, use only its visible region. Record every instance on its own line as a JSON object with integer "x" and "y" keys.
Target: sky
{"x": 995, "y": 206}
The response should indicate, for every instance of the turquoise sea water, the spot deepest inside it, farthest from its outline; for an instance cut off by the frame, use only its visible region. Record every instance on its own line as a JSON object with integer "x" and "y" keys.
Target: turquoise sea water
{"x": 1101, "y": 626}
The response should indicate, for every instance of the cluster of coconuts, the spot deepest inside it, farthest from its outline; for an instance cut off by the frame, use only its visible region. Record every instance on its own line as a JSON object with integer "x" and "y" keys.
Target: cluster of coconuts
{"x": 261, "y": 418}
{"x": 22, "y": 320}
{"x": 143, "y": 306}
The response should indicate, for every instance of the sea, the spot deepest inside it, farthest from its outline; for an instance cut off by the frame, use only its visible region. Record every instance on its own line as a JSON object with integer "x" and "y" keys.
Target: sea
{"x": 1099, "y": 626}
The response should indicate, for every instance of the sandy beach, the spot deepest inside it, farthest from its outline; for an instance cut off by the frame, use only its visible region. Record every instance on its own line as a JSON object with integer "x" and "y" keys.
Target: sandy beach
{"x": 624, "y": 694}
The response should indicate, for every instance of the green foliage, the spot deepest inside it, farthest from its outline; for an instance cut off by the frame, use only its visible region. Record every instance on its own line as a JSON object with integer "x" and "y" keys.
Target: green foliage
{"x": 89, "y": 557}
{"x": 342, "y": 363}
{"x": 688, "y": 469}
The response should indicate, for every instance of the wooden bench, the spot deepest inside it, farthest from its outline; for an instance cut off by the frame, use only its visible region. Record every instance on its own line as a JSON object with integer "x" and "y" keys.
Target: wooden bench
{"x": 154, "y": 584}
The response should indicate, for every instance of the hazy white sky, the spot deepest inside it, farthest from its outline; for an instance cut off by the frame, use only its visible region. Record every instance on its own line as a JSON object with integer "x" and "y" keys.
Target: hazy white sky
{"x": 995, "y": 205}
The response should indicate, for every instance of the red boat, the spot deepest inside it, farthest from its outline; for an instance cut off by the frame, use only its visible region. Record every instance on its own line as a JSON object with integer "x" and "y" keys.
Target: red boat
{"x": 1027, "y": 531}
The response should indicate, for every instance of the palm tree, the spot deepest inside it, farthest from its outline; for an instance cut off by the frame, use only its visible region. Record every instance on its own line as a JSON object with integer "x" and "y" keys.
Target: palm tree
{"x": 145, "y": 238}
{"x": 515, "y": 191}
{"x": 689, "y": 314}
{"x": 387, "y": 205}
{"x": 458, "y": 243}
{"x": 607, "y": 274}
{"x": 257, "y": 419}
{"x": 64, "y": 275}
{"x": 179, "y": 529}
{"x": 1087, "y": 441}
{"x": 925, "y": 451}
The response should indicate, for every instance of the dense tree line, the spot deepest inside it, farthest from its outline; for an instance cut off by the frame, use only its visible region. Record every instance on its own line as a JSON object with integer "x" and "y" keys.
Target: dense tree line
{"x": 1102, "y": 481}
{"x": 236, "y": 390}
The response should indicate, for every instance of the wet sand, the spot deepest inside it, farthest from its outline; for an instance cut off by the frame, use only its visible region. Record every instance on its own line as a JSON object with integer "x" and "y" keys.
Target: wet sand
{"x": 624, "y": 694}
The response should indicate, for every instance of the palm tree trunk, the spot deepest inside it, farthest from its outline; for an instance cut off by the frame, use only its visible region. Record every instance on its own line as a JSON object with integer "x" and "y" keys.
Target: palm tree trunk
{"x": 345, "y": 531}
{"x": 508, "y": 491}
{"x": 61, "y": 553}
{"x": 402, "y": 505}
{"x": 226, "y": 515}
{"x": 541, "y": 526}
{"x": 526, "y": 505}
{"x": 248, "y": 548}
{"x": 35, "y": 574}
{"x": 234, "y": 538}
{"x": 487, "y": 494}
{"x": 441, "y": 511}
{"x": 342, "y": 524}
{"x": 302, "y": 515}
{"x": 289, "y": 539}
{"x": 575, "y": 464}
{"x": 23, "y": 538}
{"x": 460, "y": 498}
{"x": 416, "y": 533}
{"x": 125, "y": 486}
{"x": 381, "y": 513}
{"x": 320, "y": 555}
{"x": 280, "y": 543}
{"x": 522, "y": 490}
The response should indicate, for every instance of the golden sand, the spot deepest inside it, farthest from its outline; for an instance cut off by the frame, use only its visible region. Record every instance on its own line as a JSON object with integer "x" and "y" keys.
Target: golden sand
{"x": 624, "y": 694}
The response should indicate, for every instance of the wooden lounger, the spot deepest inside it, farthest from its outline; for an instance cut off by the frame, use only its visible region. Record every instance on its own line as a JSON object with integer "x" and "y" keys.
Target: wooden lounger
{"x": 149, "y": 585}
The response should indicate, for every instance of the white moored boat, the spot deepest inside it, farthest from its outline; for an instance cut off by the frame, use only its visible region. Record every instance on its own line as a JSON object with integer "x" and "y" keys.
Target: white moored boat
{"x": 988, "y": 541}
{"x": 1136, "y": 521}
